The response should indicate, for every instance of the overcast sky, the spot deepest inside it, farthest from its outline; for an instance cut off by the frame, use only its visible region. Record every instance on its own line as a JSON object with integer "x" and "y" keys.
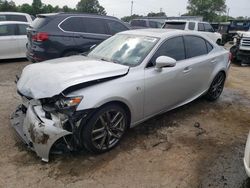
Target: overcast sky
{"x": 120, "y": 8}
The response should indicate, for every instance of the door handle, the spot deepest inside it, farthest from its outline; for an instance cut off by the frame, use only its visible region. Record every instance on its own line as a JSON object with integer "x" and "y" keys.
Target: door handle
{"x": 187, "y": 69}
{"x": 214, "y": 61}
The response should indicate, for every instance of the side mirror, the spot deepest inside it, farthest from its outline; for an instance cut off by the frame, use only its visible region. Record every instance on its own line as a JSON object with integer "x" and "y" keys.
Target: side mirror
{"x": 164, "y": 61}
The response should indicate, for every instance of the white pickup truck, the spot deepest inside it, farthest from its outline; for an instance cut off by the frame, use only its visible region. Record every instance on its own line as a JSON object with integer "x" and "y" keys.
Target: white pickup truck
{"x": 241, "y": 48}
{"x": 193, "y": 25}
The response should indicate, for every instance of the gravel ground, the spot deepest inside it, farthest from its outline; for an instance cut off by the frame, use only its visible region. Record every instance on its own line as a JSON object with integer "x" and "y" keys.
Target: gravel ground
{"x": 198, "y": 145}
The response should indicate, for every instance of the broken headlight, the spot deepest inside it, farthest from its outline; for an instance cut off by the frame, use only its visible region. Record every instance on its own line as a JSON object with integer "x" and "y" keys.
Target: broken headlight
{"x": 68, "y": 103}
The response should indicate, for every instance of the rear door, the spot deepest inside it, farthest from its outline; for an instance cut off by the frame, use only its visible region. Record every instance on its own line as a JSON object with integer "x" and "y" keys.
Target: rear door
{"x": 21, "y": 38}
{"x": 115, "y": 27}
{"x": 201, "y": 63}
{"x": 8, "y": 47}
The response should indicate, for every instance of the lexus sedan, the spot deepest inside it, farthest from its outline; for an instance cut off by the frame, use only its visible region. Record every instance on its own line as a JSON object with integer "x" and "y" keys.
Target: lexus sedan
{"x": 89, "y": 101}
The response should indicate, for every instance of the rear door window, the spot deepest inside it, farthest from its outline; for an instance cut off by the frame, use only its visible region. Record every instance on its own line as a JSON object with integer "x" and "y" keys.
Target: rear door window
{"x": 115, "y": 27}
{"x": 73, "y": 24}
{"x": 3, "y": 18}
{"x": 201, "y": 27}
{"x": 139, "y": 23}
{"x": 195, "y": 46}
{"x": 154, "y": 24}
{"x": 22, "y": 29}
{"x": 175, "y": 25}
{"x": 7, "y": 30}
{"x": 95, "y": 25}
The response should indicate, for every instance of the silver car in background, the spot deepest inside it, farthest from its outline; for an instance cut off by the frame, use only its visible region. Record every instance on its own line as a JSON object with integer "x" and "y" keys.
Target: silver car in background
{"x": 89, "y": 101}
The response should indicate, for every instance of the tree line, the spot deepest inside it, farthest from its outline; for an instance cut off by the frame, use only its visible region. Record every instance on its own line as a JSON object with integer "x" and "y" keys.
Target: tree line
{"x": 210, "y": 10}
{"x": 37, "y": 7}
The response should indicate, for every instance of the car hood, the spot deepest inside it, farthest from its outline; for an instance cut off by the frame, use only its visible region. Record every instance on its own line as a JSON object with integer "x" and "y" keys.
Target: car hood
{"x": 50, "y": 78}
{"x": 244, "y": 33}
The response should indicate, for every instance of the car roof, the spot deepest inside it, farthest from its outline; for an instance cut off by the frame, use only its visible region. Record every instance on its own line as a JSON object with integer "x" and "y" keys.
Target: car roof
{"x": 160, "y": 33}
{"x": 76, "y": 14}
{"x": 13, "y": 22}
{"x": 185, "y": 21}
{"x": 14, "y": 13}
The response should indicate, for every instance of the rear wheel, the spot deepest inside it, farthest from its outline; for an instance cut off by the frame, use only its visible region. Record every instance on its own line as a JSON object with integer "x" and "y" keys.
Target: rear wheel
{"x": 105, "y": 129}
{"x": 216, "y": 87}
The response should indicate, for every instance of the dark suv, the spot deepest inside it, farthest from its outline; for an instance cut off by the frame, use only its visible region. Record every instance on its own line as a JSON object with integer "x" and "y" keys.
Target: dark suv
{"x": 59, "y": 35}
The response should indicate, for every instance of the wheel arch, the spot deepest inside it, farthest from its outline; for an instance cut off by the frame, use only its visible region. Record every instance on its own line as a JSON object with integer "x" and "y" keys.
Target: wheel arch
{"x": 121, "y": 104}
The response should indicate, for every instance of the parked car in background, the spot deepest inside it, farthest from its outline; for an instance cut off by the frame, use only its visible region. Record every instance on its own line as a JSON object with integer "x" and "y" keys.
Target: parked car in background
{"x": 145, "y": 23}
{"x": 241, "y": 48}
{"x": 13, "y": 39}
{"x": 190, "y": 25}
{"x": 59, "y": 35}
{"x": 16, "y": 16}
{"x": 246, "y": 158}
{"x": 68, "y": 103}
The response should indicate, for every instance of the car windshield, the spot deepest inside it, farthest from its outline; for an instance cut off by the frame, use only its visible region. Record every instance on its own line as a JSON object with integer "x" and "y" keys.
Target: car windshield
{"x": 124, "y": 49}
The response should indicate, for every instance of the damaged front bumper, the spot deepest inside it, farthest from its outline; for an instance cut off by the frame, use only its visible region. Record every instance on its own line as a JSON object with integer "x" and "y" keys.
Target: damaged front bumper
{"x": 37, "y": 132}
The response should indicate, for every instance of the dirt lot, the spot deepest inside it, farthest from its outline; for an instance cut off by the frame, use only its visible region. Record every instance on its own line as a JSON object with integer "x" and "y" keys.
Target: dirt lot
{"x": 198, "y": 145}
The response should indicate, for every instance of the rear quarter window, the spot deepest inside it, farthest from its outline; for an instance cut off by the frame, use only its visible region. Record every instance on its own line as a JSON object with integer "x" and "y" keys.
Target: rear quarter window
{"x": 175, "y": 25}
{"x": 39, "y": 22}
{"x": 20, "y": 18}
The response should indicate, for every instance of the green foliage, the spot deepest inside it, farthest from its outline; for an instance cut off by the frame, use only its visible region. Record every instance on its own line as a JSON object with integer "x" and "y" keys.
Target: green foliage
{"x": 209, "y": 9}
{"x": 26, "y": 8}
{"x": 37, "y": 7}
{"x": 90, "y": 6}
{"x": 129, "y": 18}
{"x": 158, "y": 14}
{"x": 8, "y": 6}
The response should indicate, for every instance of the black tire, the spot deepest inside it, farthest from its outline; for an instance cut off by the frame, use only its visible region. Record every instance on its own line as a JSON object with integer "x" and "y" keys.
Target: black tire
{"x": 216, "y": 87}
{"x": 219, "y": 42}
{"x": 67, "y": 54}
{"x": 100, "y": 134}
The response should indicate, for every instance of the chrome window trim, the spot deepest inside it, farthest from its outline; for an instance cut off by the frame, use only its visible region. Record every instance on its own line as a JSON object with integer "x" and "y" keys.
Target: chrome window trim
{"x": 59, "y": 26}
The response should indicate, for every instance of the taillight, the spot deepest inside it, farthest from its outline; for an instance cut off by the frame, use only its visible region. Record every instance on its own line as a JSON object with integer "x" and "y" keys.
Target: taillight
{"x": 230, "y": 58}
{"x": 40, "y": 37}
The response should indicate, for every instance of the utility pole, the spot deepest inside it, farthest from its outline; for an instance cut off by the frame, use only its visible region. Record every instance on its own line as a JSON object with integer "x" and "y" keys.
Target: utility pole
{"x": 132, "y": 4}
{"x": 228, "y": 11}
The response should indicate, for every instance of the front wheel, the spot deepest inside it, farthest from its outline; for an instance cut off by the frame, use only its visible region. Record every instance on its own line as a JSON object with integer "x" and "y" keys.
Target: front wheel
{"x": 216, "y": 87}
{"x": 105, "y": 129}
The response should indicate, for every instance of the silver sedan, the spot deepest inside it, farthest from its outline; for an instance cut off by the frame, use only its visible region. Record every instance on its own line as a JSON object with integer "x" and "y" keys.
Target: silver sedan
{"x": 89, "y": 101}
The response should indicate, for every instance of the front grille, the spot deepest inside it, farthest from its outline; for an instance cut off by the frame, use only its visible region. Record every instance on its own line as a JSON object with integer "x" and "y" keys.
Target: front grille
{"x": 245, "y": 41}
